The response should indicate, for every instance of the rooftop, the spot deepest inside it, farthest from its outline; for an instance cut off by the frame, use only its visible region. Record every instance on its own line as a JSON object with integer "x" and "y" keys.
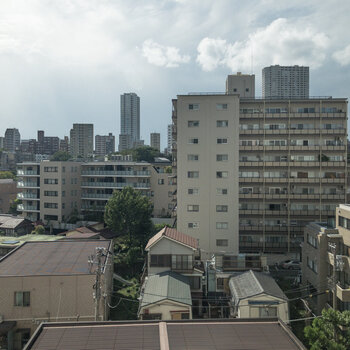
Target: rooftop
{"x": 174, "y": 235}
{"x": 5, "y": 240}
{"x": 10, "y": 221}
{"x": 50, "y": 258}
{"x": 257, "y": 334}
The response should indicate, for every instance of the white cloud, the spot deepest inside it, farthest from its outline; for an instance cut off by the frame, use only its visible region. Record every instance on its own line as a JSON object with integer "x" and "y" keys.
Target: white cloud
{"x": 281, "y": 42}
{"x": 342, "y": 56}
{"x": 163, "y": 56}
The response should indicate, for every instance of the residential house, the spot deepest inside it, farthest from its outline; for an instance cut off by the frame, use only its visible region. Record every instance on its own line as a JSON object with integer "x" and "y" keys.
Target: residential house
{"x": 51, "y": 281}
{"x": 11, "y": 225}
{"x": 256, "y": 294}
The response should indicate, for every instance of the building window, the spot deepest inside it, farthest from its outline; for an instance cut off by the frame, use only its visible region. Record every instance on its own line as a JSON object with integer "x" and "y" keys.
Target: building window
{"x": 221, "y": 191}
{"x": 222, "y": 242}
{"x": 22, "y": 298}
{"x": 50, "y": 169}
{"x": 193, "y": 141}
{"x": 193, "y": 123}
{"x": 192, "y": 191}
{"x": 221, "y": 141}
{"x": 221, "y": 106}
{"x": 181, "y": 262}
{"x": 50, "y": 193}
{"x": 221, "y": 174}
{"x": 222, "y": 225}
{"x": 222, "y": 157}
{"x": 193, "y": 207}
{"x": 222, "y": 123}
{"x": 51, "y": 181}
{"x": 193, "y": 224}
{"x": 51, "y": 205}
{"x": 63, "y": 181}
{"x": 63, "y": 193}
{"x": 193, "y": 106}
{"x": 51, "y": 217}
{"x": 195, "y": 282}
{"x": 170, "y": 206}
{"x": 192, "y": 157}
{"x": 193, "y": 174}
{"x": 221, "y": 208}
{"x": 160, "y": 260}
{"x": 220, "y": 283}
{"x": 160, "y": 181}
{"x": 267, "y": 311}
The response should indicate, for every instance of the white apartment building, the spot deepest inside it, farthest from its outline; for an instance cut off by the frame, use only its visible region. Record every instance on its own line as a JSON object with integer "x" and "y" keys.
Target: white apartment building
{"x": 292, "y": 170}
{"x": 241, "y": 84}
{"x": 285, "y": 82}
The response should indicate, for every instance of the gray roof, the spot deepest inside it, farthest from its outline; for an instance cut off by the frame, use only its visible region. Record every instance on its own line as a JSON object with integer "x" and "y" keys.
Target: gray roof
{"x": 167, "y": 285}
{"x": 9, "y": 221}
{"x": 252, "y": 283}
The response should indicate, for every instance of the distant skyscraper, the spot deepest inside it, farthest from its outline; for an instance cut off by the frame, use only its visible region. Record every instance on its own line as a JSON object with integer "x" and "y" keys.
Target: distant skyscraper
{"x": 64, "y": 144}
{"x": 104, "y": 144}
{"x": 82, "y": 140}
{"x": 155, "y": 140}
{"x": 170, "y": 139}
{"x": 129, "y": 120}
{"x": 12, "y": 140}
{"x": 285, "y": 82}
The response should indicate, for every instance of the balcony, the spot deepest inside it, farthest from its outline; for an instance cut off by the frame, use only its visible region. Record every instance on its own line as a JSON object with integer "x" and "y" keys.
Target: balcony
{"x": 21, "y": 172}
{"x": 117, "y": 185}
{"x": 132, "y": 173}
{"x": 98, "y": 196}
{"x": 93, "y": 207}
{"x": 28, "y": 196}
{"x": 24, "y": 207}
{"x": 24, "y": 184}
{"x": 343, "y": 292}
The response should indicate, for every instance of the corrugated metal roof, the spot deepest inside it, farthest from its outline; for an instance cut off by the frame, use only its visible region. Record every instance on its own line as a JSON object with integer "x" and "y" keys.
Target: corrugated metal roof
{"x": 167, "y": 285}
{"x": 252, "y": 283}
{"x": 8, "y": 221}
{"x": 50, "y": 258}
{"x": 175, "y": 235}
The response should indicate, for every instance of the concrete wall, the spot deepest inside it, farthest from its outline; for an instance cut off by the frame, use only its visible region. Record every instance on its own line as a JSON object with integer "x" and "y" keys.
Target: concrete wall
{"x": 166, "y": 308}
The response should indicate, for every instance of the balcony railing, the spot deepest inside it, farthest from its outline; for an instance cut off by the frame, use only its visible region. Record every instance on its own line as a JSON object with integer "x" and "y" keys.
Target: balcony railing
{"x": 116, "y": 173}
{"x": 27, "y": 196}
{"x": 23, "y": 207}
{"x": 117, "y": 184}
{"x": 21, "y": 172}
{"x": 96, "y": 195}
{"x": 22, "y": 184}
{"x": 343, "y": 292}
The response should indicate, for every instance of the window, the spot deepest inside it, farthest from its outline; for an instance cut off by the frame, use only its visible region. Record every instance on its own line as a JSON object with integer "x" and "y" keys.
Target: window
{"x": 193, "y": 141}
{"x": 193, "y": 224}
{"x": 63, "y": 193}
{"x": 181, "y": 262}
{"x": 51, "y": 217}
{"x": 22, "y": 298}
{"x": 220, "y": 283}
{"x": 63, "y": 169}
{"x": 170, "y": 206}
{"x": 221, "y": 208}
{"x": 160, "y": 260}
{"x": 51, "y": 205}
{"x": 222, "y": 123}
{"x": 193, "y": 106}
{"x": 193, "y": 174}
{"x": 221, "y": 106}
{"x": 222, "y": 157}
{"x": 222, "y": 225}
{"x": 221, "y": 191}
{"x": 222, "y": 242}
{"x": 221, "y": 174}
{"x": 268, "y": 311}
{"x": 160, "y": 181}
{"x": 221, "y": 141}
{"x": 195, "y": 282}
{"x": 63, "y": 205}
{"x": 193, "y": 191}
{"x": 193, "y": 123}
{"x": 50, "y": 169}
{"x": 51, "y": 193}
{"x": 63, "y": 181}
{"x": 192, "y": 157}
{"x": 193, "y": 207}
{"x": 50, "y": 181}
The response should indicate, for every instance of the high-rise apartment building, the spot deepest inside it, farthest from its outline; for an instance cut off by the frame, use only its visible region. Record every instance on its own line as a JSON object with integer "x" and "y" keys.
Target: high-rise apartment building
{"x": 292, "y": 168}
{"x": 64, "y": 144}
{"x": 104, "y": 144}
{"x": 82, "y": 140}
{"x": 169, "y": 139}
{"x": 12, "y": 140}
{"x": 285, "y": 82}
{"x": 47, "y": 144}
{"x": 155, "y": 140}
{"x": 129, "y": 120}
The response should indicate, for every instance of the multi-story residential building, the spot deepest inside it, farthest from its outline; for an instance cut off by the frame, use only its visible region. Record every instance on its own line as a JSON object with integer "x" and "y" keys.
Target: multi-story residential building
{"x": 129, "y": 120}
{"x": 241, "y": 84}
{"x": 46, "y": 144}
{"x": 285, "y": 82}
{"x": 169, "y": 139}
{"x": 2, "y": 142}
{"x": 292, "y": 168}
{"x": 12, "y": 140}
{"x": 82, "y": 140}
{"x": 323, "y": 247}
{"x": 64, "y": 144}
{"x": 104, "y": 144}
{"x": 50, "y": 190}
{"x": 155, "y": 140}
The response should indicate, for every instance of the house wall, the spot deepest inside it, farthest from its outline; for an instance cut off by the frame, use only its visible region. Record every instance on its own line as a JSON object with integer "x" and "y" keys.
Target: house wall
{"x": 166, "y": 308}
{"x": 252, "y": 311}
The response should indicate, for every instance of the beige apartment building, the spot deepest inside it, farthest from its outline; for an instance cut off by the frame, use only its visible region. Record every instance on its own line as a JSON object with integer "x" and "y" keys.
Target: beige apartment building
{"x": 50, "y": 190}
{"x": 286, "y": 158}
{"x": 51, "y": 281}
{"x": 320, "y": 246}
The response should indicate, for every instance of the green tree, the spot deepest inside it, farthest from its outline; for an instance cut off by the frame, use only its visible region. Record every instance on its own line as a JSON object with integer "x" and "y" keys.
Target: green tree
{"x": 145, "y": 153}
{"x": 331, "y": 331}
{"x": 39, "y": 230}
{"x": 60, "y": 156}
{"x": 7, "y": 175}
{"x": 129, "y": 214}
{"x": 13, "y": 207}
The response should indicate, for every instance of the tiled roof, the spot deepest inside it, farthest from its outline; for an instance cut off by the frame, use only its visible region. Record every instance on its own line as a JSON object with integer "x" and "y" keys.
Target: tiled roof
{"x": 167, "y": 285}
{"x": 61, "y": 257}
{"x": 174, "y": 235}
{"x": 8, "y": 221}
{"x": 251, "y": 283}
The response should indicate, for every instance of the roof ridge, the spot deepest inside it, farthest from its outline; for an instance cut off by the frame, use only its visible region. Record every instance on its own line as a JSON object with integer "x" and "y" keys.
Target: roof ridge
{"x": 257, "y": 281}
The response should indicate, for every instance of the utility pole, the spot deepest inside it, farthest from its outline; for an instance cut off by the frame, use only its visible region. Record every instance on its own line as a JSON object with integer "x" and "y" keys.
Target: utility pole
{"x": 333, "y": 248}
{"x": 100, "y": 252}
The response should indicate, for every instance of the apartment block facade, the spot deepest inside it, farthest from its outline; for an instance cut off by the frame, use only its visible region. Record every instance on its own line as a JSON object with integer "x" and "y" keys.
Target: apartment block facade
{"x": 104, "y": 144}
{"x": 286, "y": 159}
{"x": 155, "y": 140}
{"x": 82, "y": 140}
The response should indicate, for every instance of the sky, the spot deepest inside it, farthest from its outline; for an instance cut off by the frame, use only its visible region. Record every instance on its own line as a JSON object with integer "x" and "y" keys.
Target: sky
{"x": 68, "y": 61}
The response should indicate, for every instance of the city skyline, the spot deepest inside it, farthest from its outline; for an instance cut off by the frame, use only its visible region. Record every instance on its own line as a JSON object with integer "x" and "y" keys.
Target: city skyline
{"x": 52, "y": 79}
